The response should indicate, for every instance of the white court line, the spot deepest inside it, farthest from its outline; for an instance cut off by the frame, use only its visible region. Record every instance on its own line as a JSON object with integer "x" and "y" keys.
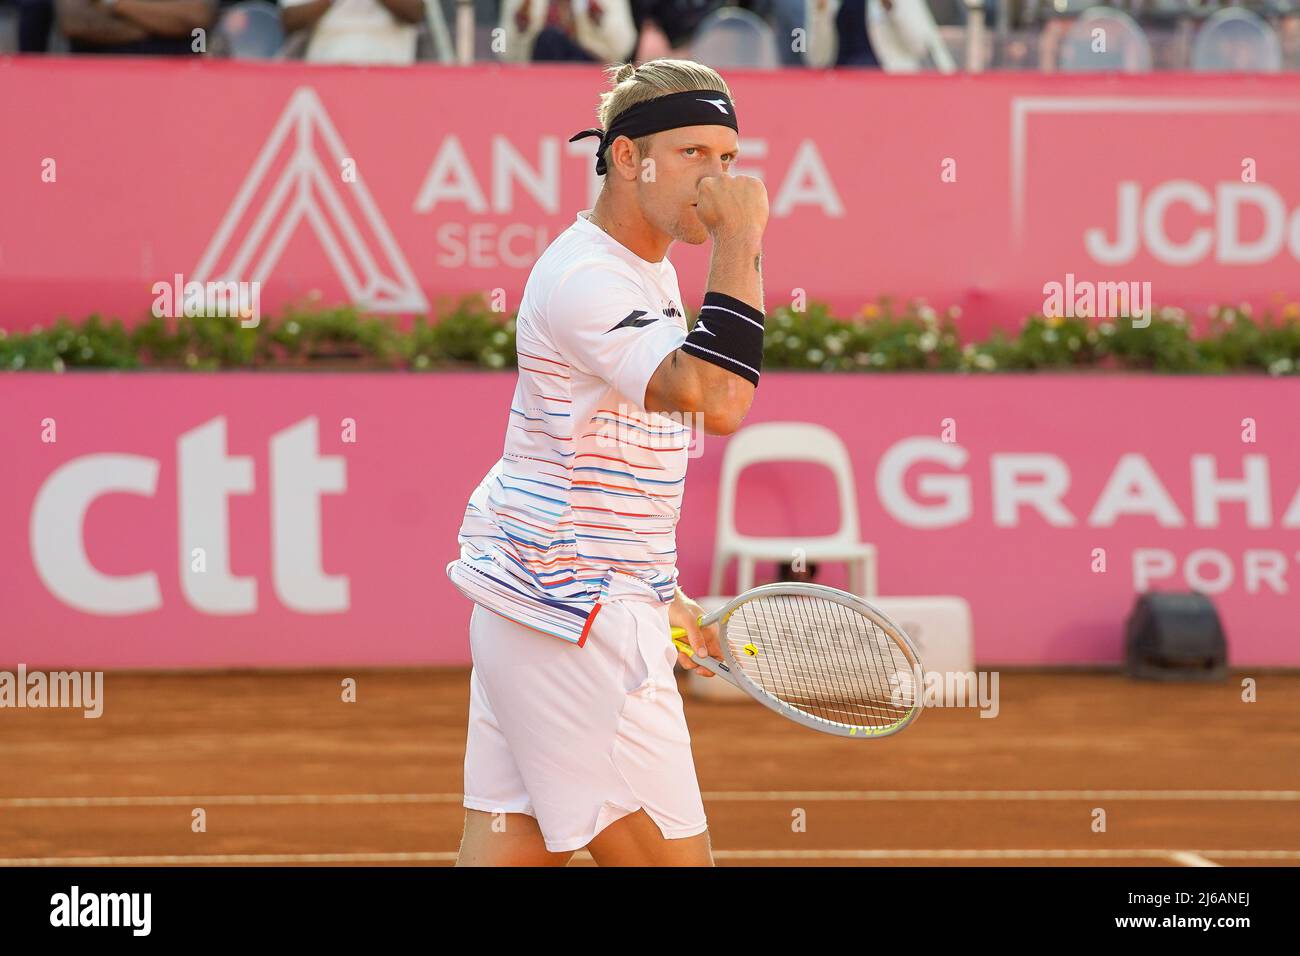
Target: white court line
{"x": 234, "y": 799}
{"x": 999, "y": 854}
{"x": 731, "y": 795}
{"x": 265, "y": 799}
{"x": 778, "y": 795}
{"x": 447, "y": 857}
{"x": 1188, "y": 858}
{"x": 221, "y": 859}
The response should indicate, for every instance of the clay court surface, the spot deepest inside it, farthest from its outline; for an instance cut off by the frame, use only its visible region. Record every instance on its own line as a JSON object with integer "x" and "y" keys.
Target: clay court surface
{"x": 287, "y": 773}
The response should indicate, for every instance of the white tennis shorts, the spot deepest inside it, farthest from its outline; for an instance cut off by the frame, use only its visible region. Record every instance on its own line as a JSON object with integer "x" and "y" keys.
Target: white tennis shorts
{"x": 580, "y": 736}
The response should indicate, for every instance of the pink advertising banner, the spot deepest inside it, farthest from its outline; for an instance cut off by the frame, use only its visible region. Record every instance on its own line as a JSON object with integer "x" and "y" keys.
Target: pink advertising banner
{"x": 392, "y": 187}
{"x": 166, "y": 520}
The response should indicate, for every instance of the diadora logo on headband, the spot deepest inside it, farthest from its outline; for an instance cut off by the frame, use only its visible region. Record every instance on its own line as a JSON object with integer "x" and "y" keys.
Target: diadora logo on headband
{"x": 720, "y": 104}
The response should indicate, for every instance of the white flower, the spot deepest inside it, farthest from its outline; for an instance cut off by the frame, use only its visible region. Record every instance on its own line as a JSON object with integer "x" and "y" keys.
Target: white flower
{"x": 878, "y": 358}
{"x": 928, "y": 341}
{"x": 816, "y": 356}
{"x": 1106, "y": 328}
{"x": 986, "y": 362}
{"x": 1050, "y": 335}
{"x": 57, "y": 364}
{"x": 1283, "y": 366}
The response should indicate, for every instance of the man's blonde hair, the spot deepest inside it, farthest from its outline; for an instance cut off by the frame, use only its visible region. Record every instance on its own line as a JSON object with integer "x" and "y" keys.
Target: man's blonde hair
{"x": 630, "y": 85}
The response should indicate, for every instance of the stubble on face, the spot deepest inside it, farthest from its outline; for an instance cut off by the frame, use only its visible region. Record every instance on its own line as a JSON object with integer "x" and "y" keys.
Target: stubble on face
{"x": 676, "y": 217}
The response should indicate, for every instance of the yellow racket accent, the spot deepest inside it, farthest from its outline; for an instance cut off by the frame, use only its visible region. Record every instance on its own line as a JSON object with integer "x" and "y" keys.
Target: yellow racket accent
{"x": 678, "y": 633}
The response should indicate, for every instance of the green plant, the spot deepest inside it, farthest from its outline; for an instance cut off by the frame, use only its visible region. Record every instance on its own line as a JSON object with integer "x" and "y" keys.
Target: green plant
{"x": 468, "y": 333}
{"x": 880, "y": 339}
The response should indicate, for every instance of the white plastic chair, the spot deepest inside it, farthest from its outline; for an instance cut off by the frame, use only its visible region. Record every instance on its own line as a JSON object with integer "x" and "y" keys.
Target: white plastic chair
{"x": 1127, "y": 48}
{"x": 733, "y": 37}
{"x": 1236, "y": 41}
{"x": 790, "y": 441}
{"x": 250, "y": 31}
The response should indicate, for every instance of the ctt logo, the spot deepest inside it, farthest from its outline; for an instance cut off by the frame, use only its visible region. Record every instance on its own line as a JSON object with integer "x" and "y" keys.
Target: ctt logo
{"x": 206, "y": 476}
{"x": 1142, "y": 224}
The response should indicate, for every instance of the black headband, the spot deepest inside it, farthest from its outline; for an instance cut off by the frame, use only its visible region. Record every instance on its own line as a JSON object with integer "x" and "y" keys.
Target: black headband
{"x": 692, "y": 108}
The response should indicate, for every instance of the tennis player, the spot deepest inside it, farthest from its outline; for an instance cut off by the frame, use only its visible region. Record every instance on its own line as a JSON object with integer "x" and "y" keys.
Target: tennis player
{"x": 576, "y": 732}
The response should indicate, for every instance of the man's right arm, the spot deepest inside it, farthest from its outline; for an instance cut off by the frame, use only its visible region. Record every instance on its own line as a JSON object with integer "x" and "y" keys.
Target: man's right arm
{"x": 721, "y": 388}
{"x": 169, "y": 18}
{"x": 89, "y": 22}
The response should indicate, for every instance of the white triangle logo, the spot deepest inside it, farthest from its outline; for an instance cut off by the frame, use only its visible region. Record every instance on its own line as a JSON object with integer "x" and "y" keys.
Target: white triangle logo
{"x": 365, "y": 256}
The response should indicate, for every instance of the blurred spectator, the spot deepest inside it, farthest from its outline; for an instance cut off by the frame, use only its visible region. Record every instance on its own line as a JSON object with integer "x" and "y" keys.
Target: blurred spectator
{"x": 786, "y": 16}
{"x": 35, "y": 18}
{"x": 787, "y": 572}
{"x": 591, "y": 31}
{"x": 837, "y": 33}
{"x": 136, "y": 27}
{"x": 678, "y": 19}
{"x": 354, "y": 31}
{"x": 898, "y": 35}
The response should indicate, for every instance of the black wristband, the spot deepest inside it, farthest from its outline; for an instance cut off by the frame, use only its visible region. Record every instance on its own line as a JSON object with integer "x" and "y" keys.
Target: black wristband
{"x": 728, "y": 333}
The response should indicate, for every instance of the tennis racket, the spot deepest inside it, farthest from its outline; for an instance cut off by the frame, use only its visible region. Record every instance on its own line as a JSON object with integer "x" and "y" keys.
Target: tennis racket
{"x": 822, "y": 657}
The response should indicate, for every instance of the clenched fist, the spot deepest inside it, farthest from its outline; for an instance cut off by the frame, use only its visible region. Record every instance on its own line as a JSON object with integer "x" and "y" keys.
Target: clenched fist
{"x": 732, "y": 206}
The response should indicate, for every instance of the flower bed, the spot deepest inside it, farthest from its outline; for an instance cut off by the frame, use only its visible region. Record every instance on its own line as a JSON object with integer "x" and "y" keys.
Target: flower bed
{"x": 468, "y": 334}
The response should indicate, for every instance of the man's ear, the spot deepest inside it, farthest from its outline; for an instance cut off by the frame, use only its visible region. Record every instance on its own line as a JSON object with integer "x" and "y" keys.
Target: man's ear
{"x": 623, "y": 157}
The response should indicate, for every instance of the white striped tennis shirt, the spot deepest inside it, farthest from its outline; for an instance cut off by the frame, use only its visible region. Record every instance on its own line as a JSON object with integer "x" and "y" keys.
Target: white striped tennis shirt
{"x": 582, "y": 507}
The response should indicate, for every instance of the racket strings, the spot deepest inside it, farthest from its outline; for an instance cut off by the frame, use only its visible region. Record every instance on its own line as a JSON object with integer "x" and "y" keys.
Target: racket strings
{"x": 823, "y": 658}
